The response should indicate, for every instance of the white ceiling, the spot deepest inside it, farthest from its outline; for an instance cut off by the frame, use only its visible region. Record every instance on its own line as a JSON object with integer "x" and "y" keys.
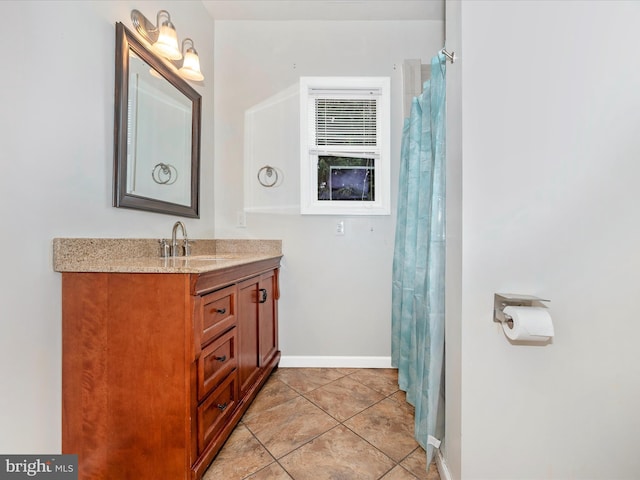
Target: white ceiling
{"x": 325, "y": 9}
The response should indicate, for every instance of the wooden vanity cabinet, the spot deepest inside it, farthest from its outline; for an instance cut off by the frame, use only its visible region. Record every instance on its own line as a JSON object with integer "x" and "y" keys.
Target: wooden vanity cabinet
{"x": 158, "y": 368}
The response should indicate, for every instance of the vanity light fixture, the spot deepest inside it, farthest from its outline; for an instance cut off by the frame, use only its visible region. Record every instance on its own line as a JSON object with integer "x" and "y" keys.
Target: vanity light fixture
{"x": 191, "y": 64}
{"x": 164, "y": 40}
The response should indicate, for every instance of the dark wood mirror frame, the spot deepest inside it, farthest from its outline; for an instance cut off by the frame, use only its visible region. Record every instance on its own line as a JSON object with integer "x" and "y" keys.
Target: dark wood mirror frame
{"x": 126, "y": 41}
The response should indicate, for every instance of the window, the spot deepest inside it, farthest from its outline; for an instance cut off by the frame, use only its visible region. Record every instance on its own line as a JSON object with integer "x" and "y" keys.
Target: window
{"x": 344, "y": 140}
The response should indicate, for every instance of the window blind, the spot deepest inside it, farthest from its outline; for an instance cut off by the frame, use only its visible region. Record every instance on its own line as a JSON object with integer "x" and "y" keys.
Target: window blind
{"x": 345, "y": 121}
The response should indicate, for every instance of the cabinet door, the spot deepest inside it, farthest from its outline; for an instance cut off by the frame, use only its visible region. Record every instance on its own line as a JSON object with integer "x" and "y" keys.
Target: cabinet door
{"x": 267, "y": 317}
{"x": 248, "y": 308}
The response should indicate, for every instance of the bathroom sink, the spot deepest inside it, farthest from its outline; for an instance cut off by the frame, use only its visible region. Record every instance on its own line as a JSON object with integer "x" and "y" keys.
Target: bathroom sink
{"x": 205, "y": 258}
{"x": 199, "y": 258}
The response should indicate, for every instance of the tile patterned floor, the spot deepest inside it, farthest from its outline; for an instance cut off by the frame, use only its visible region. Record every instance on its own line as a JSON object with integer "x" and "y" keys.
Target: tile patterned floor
{"x": 325, "y": 424}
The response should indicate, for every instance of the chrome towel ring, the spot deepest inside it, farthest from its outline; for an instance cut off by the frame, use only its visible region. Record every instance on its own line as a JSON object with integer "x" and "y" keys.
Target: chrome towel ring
{"x": 267, "y": 176}
{"x": 164, "y": 174}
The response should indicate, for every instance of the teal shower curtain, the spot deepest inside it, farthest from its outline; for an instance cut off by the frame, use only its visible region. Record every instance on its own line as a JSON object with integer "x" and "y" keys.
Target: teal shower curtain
{"x": 418, "y": 262}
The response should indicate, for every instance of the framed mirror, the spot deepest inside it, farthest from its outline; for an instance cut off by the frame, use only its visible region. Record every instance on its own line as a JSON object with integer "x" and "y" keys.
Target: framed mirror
{"x": 156, "y": 132}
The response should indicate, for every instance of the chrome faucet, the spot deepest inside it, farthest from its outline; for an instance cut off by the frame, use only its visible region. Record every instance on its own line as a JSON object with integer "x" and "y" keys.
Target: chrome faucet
{"x": 174, "y": 241}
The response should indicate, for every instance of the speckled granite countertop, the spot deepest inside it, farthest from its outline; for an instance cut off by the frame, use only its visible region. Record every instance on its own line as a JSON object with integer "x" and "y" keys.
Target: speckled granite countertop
{"x": 143, "y": 255}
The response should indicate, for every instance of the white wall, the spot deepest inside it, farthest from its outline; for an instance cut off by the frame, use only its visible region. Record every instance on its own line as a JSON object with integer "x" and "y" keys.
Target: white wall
{"x": 550, "y": 108}
{"x": 56, "y": 131}
{"x": 336, "y": 291}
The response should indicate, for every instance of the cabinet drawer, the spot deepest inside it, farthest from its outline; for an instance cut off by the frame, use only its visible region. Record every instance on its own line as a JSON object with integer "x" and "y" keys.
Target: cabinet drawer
{"x": 216, "y": 361}
{"x": 212, "y": 413}
{"x": 218, "y": 313}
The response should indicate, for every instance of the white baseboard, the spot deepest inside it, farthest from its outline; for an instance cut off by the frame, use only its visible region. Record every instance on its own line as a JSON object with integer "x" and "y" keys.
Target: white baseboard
{"x": 293, "y": 361}
{"x": 443, "y": 470}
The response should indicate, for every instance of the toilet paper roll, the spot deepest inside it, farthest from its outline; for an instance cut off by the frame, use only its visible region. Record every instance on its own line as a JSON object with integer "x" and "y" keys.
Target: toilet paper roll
{"x": 529, "y": 323}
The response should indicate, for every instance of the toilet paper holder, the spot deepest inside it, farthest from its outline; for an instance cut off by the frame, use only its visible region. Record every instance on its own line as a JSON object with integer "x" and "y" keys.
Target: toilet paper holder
{"x": 503, "y": 300}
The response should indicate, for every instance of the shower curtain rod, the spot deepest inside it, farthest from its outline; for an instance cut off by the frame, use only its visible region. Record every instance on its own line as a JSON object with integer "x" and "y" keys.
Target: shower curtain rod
{"x": 451, "y": 56}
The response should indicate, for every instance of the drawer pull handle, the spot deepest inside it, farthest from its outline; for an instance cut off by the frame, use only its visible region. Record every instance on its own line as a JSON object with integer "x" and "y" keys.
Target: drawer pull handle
{"x": 263, "y": 295}
{"x": 222, "y": 406}
{"x": 221, "y": 310}
{"x": 222, "y": 358}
